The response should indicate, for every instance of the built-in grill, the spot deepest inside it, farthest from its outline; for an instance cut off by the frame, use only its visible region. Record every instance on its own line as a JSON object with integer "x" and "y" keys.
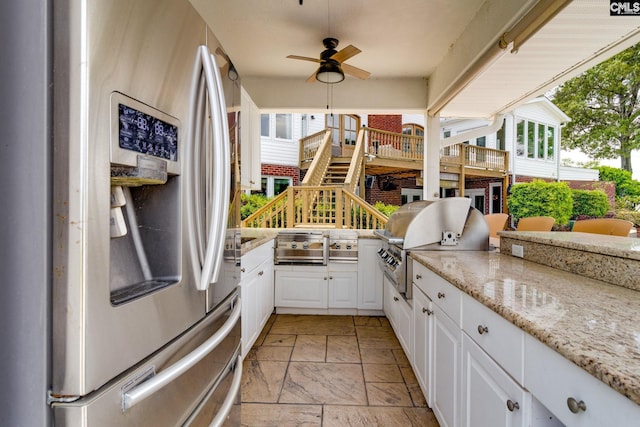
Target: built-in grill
{"x": 449, "y": 224}
{"x": 343, "y": 247}
{"x": 301, "y": 247}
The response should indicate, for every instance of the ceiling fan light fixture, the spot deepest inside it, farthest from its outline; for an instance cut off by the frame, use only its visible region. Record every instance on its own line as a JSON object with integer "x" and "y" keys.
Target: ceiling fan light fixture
{"x": 330, "y": 72}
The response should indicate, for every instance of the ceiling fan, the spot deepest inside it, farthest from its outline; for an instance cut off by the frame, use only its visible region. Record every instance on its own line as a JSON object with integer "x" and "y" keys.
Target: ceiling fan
{"x": 332, "y": 67}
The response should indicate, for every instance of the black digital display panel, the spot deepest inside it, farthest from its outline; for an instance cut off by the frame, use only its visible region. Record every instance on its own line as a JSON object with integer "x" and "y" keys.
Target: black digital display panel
{"x": 146, "y": 134}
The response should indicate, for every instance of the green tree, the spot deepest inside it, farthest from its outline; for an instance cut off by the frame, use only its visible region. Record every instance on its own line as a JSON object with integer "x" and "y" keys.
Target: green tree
{"x": 603, "y": 105}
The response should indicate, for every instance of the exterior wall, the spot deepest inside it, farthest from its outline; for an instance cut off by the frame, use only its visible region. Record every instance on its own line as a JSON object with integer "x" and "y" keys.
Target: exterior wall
{"x": 282, "y": 170}
{"x": 388, "y": 122}
{"x": 390, "y": 197}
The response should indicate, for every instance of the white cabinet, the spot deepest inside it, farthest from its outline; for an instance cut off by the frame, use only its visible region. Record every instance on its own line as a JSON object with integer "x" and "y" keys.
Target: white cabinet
{"x": 369, "y": 275}
{"x": 301, "y": 287}
{"x": 398, "y": 311}
{"x": 490, "y": 397}
{"x": 257, "y": 292}
{"x": 572, "y": 394}
{"x": 250, "y": 143}
{"x": 446, "y": 352}
{"x": 423, "y": 342}
{"x": 316, "y": 287}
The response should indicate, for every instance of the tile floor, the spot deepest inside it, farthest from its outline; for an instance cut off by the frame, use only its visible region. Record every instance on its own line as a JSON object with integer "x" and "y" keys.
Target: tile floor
{"x": 330, "y": 371}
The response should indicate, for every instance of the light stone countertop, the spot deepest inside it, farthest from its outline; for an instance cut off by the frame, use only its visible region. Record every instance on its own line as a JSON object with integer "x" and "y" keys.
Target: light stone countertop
{"x": 593, "y": 324}
{"x": 624, "y": 247}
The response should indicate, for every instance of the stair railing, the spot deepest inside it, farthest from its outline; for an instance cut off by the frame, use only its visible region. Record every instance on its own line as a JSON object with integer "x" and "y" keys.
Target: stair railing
{"x": 357, "y": 160}
{"x": 320, "y": 161}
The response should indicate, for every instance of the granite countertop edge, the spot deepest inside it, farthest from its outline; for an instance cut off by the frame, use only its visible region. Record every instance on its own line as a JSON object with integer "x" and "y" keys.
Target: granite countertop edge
{"x": 613, "y": 369}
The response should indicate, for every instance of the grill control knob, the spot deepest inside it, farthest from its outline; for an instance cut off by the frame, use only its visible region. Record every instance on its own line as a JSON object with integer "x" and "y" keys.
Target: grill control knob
{"x": 348, "y": 247}
{"x": 294, "y": 245}
{"x": 337, "y": 245}
{"x": 305, "y": 245}
{"x": 380, "y": 251}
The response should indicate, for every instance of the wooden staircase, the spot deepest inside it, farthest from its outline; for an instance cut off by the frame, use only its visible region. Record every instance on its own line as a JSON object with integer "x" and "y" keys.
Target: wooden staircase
{"x": 337, "y": 171}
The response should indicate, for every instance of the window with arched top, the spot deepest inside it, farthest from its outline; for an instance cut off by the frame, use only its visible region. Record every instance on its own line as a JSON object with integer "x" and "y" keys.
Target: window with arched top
{"x": 413, "y": 129}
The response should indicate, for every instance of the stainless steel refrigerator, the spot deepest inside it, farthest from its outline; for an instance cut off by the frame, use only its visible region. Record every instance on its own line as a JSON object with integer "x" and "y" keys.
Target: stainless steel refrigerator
{"x": 145, "y": 247}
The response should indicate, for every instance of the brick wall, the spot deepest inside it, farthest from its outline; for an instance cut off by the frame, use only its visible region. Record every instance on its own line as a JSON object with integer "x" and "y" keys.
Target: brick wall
{"x": 388, "y": 122}
{"x": 282, "y": 170}
{"x": 390, "y": 197}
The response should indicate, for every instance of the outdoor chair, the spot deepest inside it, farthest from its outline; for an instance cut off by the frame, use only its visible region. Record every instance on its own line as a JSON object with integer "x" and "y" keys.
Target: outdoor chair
{"x": 497, "y": 222}
{"x": 535, "y": 223}
{"x": 610, "y": 226}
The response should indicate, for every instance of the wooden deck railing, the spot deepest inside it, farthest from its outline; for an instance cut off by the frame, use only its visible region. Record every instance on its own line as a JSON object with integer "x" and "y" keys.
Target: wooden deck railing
{"x": 355, "y": 167}
{"x": 472, "y": 156}
{"x": 317, "y": 206}
{"x": 309, "y": 145}
{"x": 394, "y": 145}
{"x": 320, "y": 162}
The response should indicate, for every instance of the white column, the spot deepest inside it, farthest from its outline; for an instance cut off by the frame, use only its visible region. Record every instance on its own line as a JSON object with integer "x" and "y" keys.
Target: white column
{"x": 431, "y": 175}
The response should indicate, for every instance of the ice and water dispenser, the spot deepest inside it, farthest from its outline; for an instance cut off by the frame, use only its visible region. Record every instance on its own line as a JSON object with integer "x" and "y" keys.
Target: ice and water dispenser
{"x": 145, "y": 200}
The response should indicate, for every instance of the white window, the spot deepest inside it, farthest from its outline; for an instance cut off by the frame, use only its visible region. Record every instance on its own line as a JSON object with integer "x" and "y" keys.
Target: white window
{"x": 410, "y": 194}
{"x": 535, "y": 140}
{"x": 265, "y": 125}
{"x": 477, "y": 198}
{"x": 274, "y": 185}
{"x": 283, "y": 126}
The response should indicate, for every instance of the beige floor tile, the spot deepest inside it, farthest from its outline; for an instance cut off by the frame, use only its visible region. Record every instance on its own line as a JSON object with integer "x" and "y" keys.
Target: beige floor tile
{"x": 324, "y": 383}
{"x": 374, "y": 337}
{"x": 265, "y": 330}
{"x": 343, "y": 349}
{"x": 363, "y": 416}
{"x": 388, "y": 394}
{"x": 280, "y": 340}
{"x": 367, "y": 321}
{"x": 408, "y": 375}
{"x": 377, "y": 355}
{"x": 313, "y": 325}
{"x": 262, "y": 380}
{"x": 417, "y": 397}
{"x": 261, "y": 415}
{"x": 310, "y": 348}
{"x": 376, "y": 373}
{"x": 281, "y": 354}
{"x": 401, "y": 357}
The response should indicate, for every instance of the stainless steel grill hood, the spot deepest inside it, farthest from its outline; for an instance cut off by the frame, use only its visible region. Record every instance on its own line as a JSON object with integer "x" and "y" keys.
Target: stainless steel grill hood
{"x": 445, "y": 224}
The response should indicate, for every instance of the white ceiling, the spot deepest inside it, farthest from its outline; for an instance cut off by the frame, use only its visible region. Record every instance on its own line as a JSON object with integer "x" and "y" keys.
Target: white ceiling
{"x": 416, "y": 50}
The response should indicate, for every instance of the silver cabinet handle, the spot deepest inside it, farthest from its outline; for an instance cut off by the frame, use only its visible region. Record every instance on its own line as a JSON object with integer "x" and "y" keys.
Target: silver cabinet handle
{"x": 242, "y": 270}
{"x": 395, "y": 299}
{"x": 261, "y": 272}
{"x": 512, "y": 406}
{"x": 137, "y": 394}
{"x": 440, "y": 295}
{"x": 426, "y": 310}
{"x": 576, "y": 406}
{"x": 483, "y": 329}
{"x": 418, "y": 276}
{"x": 224, "y": 410}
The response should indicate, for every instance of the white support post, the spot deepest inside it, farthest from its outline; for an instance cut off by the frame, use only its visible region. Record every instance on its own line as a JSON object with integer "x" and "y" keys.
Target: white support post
{"x": 431, "y": 186}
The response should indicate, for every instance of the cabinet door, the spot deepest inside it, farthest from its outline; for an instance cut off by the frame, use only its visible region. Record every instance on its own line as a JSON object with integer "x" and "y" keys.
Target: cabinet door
{"x": 446, "y": 369}
{"x": 489, "y": 396}
{"x": 399, "y": 314}
{"x": 249, "y": 294}
{"x": 343, "y": 289}
{"x": 265, "y": 303}
{"x": 302, "y": 288}
{"x": 422, "y": 337}
{"x": 369, "y": 275}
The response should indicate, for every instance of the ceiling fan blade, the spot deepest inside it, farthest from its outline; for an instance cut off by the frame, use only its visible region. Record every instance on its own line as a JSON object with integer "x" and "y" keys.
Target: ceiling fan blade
{"x": 355, "y": 71}
{"x": 304, "y": 58}
{"x": 312, "y": 77}
{"x": 346, "y": 53}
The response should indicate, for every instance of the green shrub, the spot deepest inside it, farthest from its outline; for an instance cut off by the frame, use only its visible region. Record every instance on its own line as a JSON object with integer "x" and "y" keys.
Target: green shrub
{"x": 384, "y": 209}
{"x": 539, "y": 198}
{"x": 591, "y": 203}
{"x": 251, "y": 203}
{"x": 629, "y": 215}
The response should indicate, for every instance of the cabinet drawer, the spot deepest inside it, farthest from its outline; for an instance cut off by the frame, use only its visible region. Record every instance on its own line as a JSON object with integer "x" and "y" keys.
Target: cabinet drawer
{"x": 442, "y": 293}
{"x": 553, "y": 380}
{"x": 502, "y": 340}
{"x": 252, "y": 259}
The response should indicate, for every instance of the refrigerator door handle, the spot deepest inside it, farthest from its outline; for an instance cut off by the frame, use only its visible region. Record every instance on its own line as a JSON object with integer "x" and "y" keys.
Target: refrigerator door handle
{"x": 226, "y": 406}
{"x": 206, "y": 84}
{"x": 220, "y": 195}
{"x": 137, "y": 394}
